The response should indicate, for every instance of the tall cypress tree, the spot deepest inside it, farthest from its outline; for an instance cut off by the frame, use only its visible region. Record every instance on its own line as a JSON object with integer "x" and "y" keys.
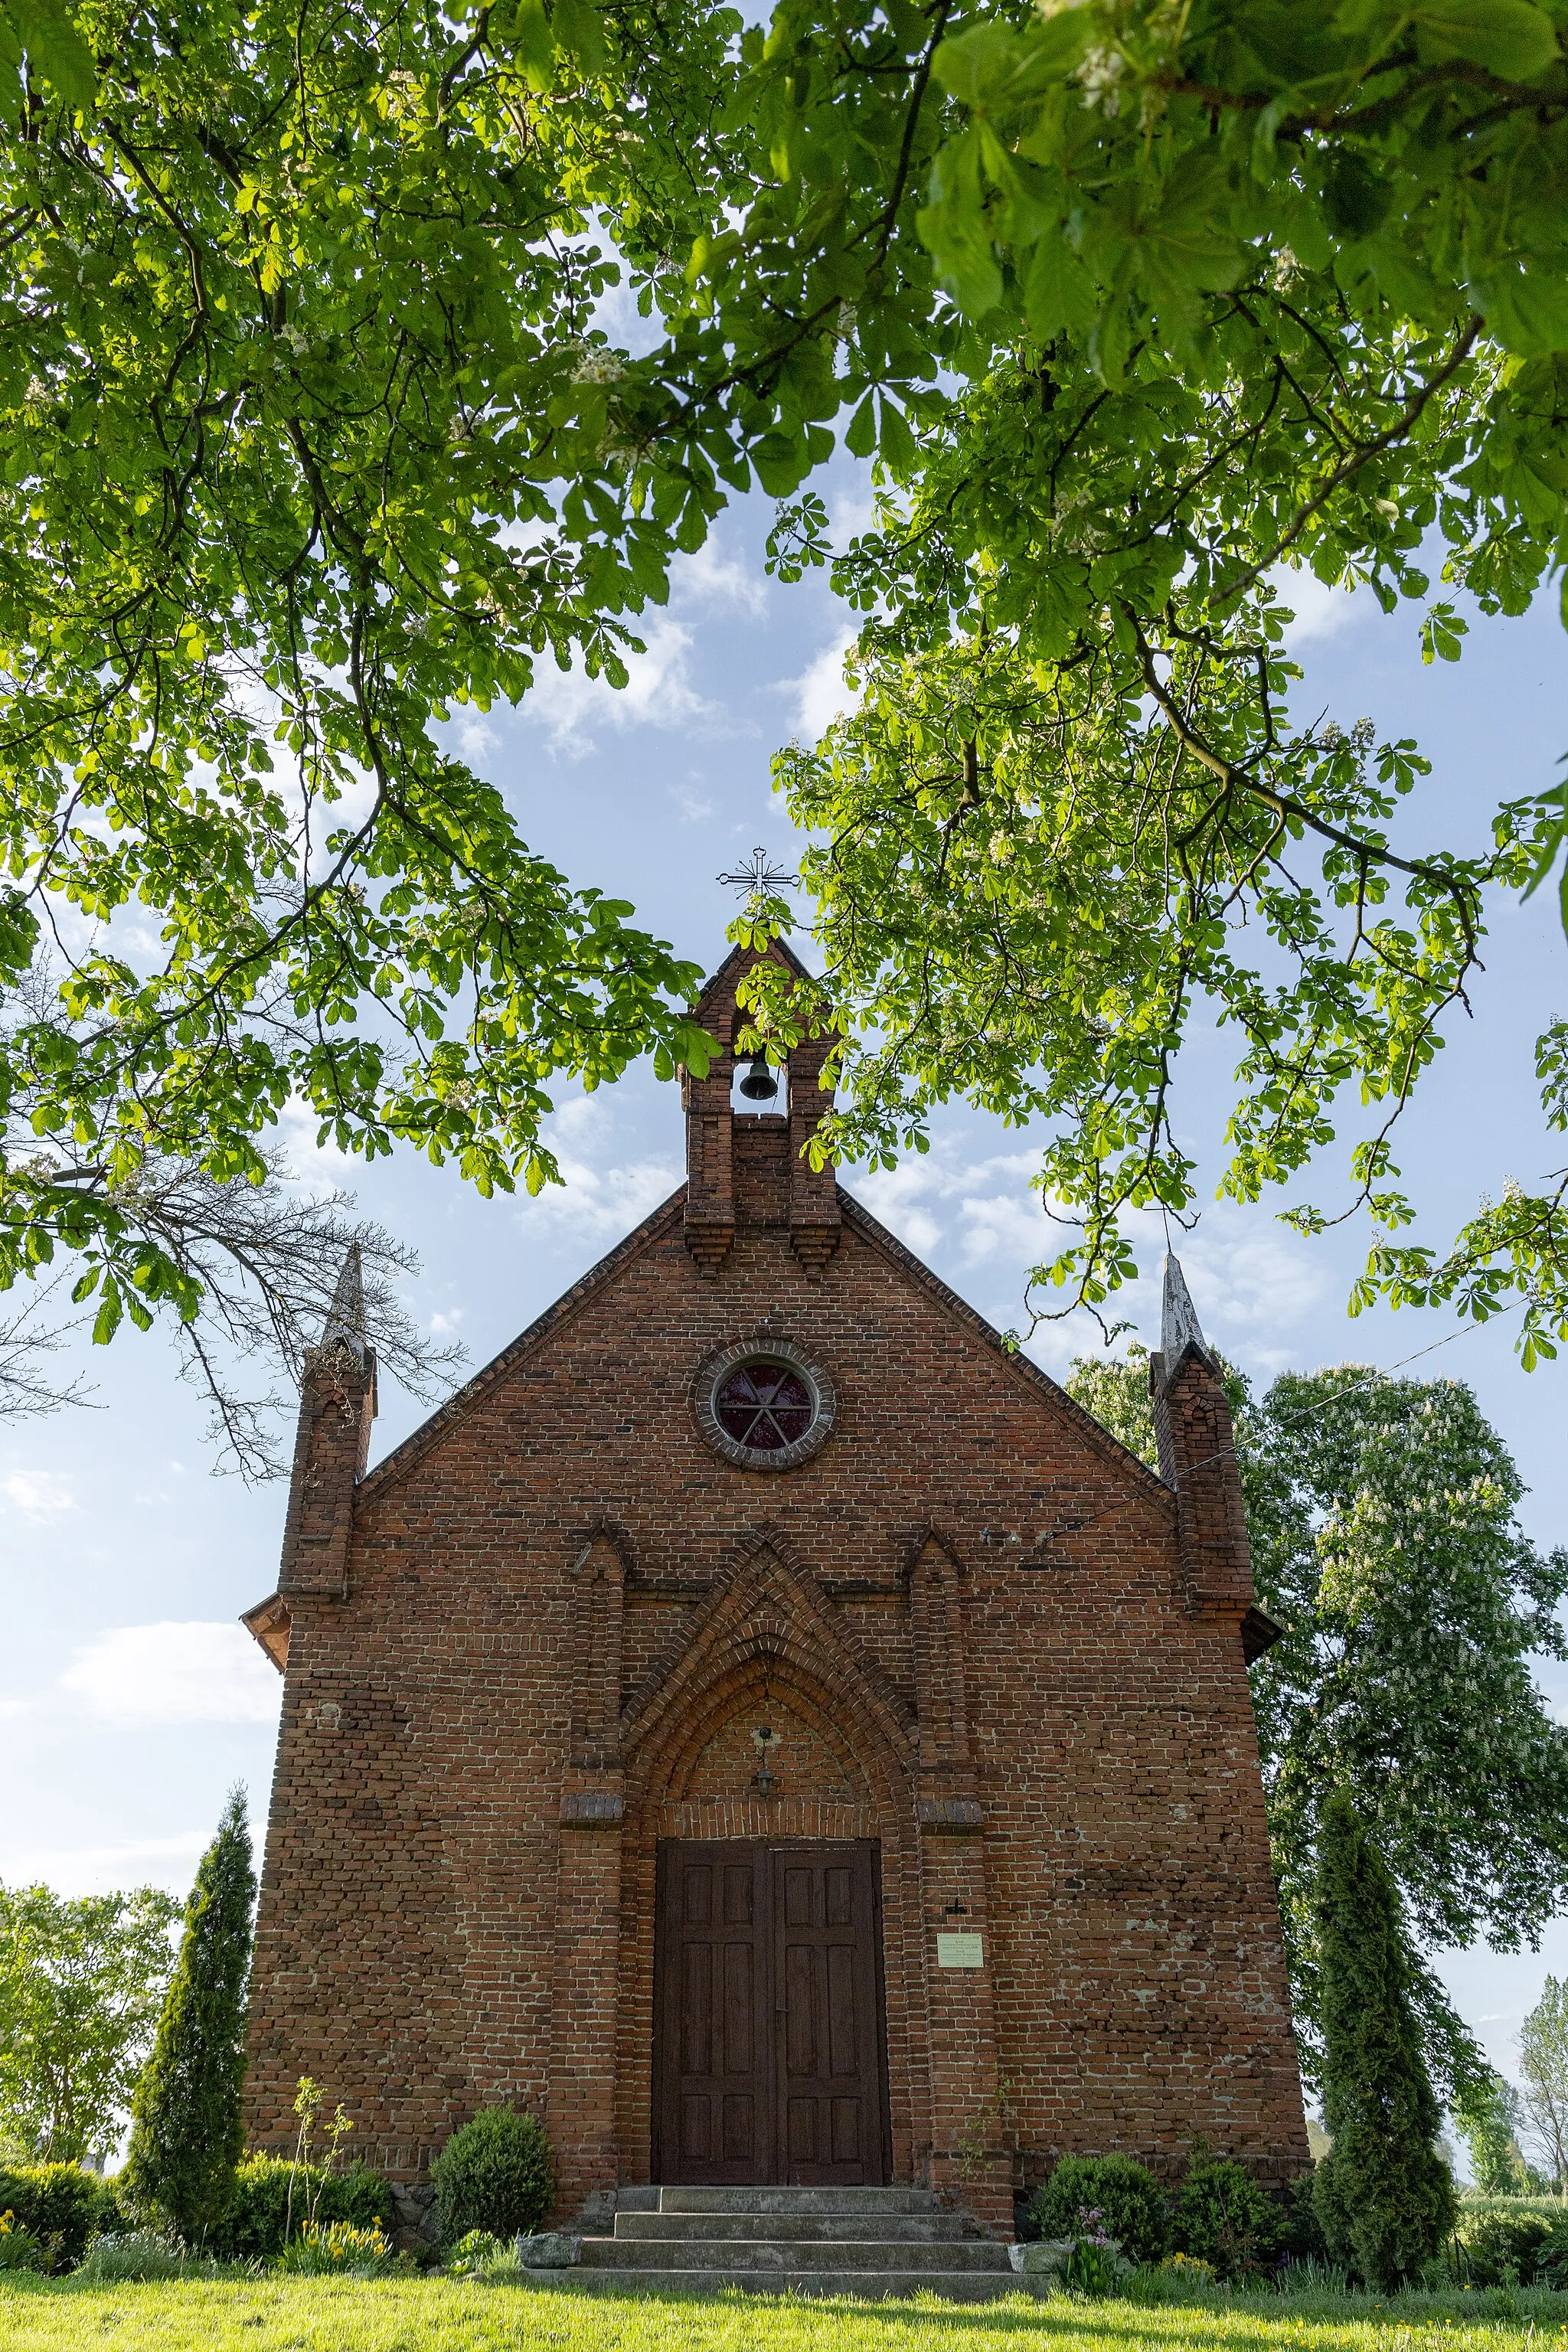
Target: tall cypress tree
{"x": 1383, "y": 2193}
{"x": 187, "y": 2133}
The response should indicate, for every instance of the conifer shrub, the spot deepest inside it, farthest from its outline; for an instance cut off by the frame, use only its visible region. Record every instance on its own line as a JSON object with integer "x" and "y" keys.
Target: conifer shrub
{"x": 1304, "y": 2240}
{"x": 187, "y": 2135}
{"x": 1223, "y": 2217}
{"x": 1383, "y": 2193}
{"x": 252, "y": 2230}
{"x": 1126, "y": 2193}
{"x": 494, "y": 2174}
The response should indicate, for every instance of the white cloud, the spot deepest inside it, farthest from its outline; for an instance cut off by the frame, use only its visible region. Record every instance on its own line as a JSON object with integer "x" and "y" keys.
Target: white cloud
{"x": 660, "y": 690}
{"x": 819, "y": 691}
{"x": 658, "y": 693}
{"x": 476, "y": 736}
{"x": 314, "y": 1163}
{"x": 690, "y": 804}
{"x": 851, "y": 514}
{"x": 443, "y": 1326}
{"x": 599, "y": 1199}
{"x": 144, "y": 1677}
{"x": 1320, "y": 611}
{"x": 1253, "y": 1284}
{"x": 983, "y": 1215}
{"x": 1250, "y": 1279}
{"x": 39, "y": 1495}
{"x": 711, "y": 578}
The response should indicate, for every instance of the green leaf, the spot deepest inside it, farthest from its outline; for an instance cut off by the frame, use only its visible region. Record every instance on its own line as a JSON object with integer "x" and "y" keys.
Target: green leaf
{"x": 1509, "y": 37}
{"x": 974, "y": 65}
{"x": 1058, "y": 292}
{"x": 895, "y": 441}
{"x": 861, "y": 436}
{"x": 54, "y": 49}
{"x": 533, "y": 42}
{"x": 1527, "y": 310}
{"x": 580, "y": 33}
{"x": 780, "y": 459}
{"x": 1442, "y": 632}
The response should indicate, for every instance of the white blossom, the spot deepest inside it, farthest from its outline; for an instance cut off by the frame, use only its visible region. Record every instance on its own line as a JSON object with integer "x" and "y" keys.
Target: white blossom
{"x": 598, "y": 366}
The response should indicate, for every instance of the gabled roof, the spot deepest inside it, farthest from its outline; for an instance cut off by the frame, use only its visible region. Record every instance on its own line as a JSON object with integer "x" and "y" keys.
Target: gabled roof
{"x": 779, "y": 949}
{"x": 1050, "y": 1391}
{"x": 467, "y": 1398}
{"x": 462, "y": 1403}
{"x": 738, "y": 962}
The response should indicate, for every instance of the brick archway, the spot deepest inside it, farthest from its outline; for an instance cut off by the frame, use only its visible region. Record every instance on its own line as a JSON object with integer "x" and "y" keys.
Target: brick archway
{"x": 767, "y": 1640}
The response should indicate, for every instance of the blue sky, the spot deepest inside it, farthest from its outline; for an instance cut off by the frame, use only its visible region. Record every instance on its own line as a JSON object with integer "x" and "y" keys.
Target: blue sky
{"x": 128, "y": 1696}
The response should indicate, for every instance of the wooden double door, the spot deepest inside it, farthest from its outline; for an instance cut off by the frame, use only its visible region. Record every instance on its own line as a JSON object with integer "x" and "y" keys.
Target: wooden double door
{"x": 769, "y": 2041}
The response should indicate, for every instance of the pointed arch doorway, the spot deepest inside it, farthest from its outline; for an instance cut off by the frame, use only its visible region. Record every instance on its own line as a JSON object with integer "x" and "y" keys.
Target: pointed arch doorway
{"x": 770, "y": 2038}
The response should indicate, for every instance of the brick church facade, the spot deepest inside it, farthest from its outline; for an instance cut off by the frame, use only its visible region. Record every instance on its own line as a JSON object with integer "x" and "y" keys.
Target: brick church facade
{"x": 769, "y": 1731}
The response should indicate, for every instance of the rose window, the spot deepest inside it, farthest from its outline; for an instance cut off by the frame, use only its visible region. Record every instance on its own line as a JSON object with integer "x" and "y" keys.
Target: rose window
{"x": 765, "y": 1405}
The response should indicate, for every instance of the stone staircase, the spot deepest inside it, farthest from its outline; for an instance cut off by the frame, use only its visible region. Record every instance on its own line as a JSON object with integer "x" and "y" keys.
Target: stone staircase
{"x": 859, "y": 2241}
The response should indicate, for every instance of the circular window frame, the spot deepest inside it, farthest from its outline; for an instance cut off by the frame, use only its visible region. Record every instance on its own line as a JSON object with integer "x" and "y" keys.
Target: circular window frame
{"x": 716, "y": 1369}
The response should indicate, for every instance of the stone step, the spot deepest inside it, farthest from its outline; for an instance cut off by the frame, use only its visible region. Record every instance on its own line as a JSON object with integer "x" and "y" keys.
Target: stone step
{"x": 865, "y": 2286}
{"x": 917, "y": 2228}
{"x": 790, "y": 2200}
{"x": 746, "y": 2258}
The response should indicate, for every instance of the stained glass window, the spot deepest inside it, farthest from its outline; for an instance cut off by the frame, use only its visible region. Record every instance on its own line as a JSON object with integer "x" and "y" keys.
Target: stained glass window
{"x": 765, "y": 1405}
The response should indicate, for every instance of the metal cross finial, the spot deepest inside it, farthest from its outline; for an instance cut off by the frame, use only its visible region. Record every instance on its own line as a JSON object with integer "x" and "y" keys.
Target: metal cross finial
{"x": 761, "y": 875}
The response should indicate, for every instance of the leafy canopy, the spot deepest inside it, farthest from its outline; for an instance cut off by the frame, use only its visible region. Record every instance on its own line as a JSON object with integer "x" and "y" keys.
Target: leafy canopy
{"x": 1543, "y": 2064}
{"x": 1491, "y": 2119}
{"x": 80, "y": 1985}
{"x": 310, "y": 433}
{"x": 305, "y": 442}
{"x": 1381, "y": 1516}
{"x": 1239, "y": 287}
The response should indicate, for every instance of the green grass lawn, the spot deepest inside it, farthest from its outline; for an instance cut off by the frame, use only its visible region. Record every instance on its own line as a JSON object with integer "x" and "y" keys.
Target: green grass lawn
{"x": 275, "y": 2314}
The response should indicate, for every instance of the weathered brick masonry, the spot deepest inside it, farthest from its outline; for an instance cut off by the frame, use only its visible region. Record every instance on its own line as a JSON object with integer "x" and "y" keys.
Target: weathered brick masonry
{"x": 538, "y": 1637}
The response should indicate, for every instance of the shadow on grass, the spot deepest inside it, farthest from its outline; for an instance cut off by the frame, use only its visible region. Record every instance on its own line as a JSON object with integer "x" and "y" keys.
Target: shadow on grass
{"x": 1160, "y": 2318}
{"x": 1238, "y": 2320}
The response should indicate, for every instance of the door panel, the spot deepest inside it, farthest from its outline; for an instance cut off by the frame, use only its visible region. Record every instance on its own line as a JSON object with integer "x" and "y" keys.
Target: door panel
{"x": 712, "y": 1991}
{"x": 831, "y": 2053}
{"x": 768, "y": 2043}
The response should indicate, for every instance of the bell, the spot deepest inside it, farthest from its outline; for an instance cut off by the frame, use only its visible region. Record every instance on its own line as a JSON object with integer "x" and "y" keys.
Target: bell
{"x": 760, "y": 1084}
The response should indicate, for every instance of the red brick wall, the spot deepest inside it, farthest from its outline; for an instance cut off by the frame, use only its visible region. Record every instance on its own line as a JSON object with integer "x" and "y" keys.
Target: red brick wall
{"x": 968, "y": 1614}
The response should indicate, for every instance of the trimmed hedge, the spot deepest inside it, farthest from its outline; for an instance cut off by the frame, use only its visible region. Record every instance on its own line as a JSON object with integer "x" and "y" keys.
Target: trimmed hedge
{"x": 1497, "y": 2249}
{"x": 1126, "y": 2193}
{"x": 60, "y": 2201}
{"x": 495, "y": 2174}
{"x": 254, "y": 2228}
{"x": 1222, "y": 2216}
